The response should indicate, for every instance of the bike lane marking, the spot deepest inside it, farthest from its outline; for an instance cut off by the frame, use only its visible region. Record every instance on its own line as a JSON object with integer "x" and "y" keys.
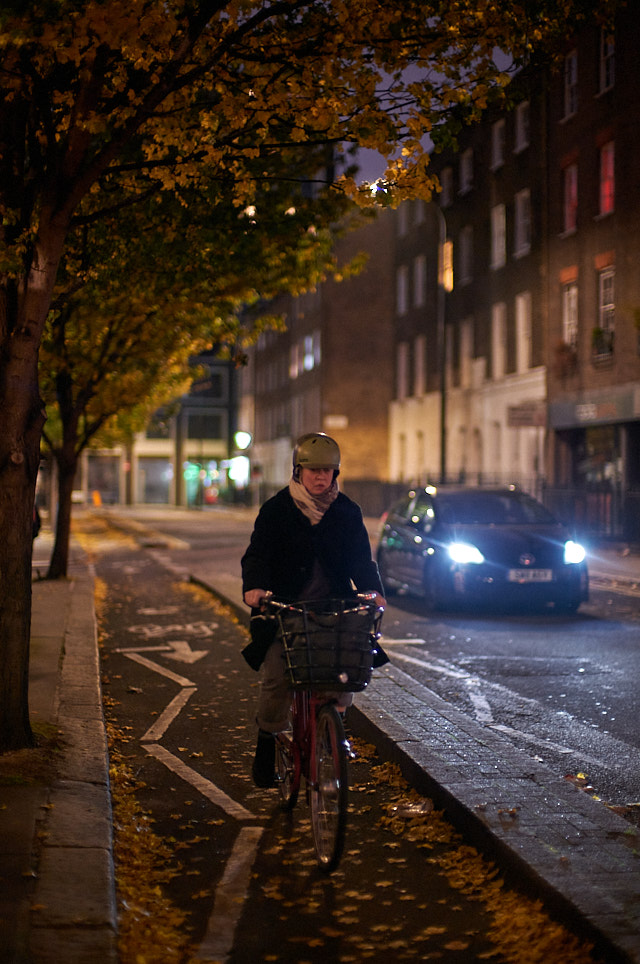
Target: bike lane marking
{"x": 232, "y": 890}
{"x": 231, "y": 894}
{"x": 200, "y": 783}
{"x": 168, "y": 715}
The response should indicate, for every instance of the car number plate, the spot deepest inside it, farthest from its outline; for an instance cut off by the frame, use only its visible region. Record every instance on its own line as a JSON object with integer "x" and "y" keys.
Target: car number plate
{"x": 530, "y": 575}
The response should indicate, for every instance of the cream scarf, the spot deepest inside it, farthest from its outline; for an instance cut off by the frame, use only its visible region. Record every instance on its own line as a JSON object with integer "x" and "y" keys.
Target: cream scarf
{"x": 313, "y": 506}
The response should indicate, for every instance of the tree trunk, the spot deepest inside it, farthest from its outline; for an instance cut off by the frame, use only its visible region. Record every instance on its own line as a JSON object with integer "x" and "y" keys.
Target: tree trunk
{"x": 19, "y": 459}
{"x": 59, "y": 561}
{"x": 23, "y": 310}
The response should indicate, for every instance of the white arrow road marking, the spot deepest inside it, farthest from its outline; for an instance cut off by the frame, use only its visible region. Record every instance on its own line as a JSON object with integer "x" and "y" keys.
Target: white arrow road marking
{"x": 137, "y": 658}
{"x": 168, "y": 715}
{"x": 183, "y": 653}
{"x": 231, "y": 894}
{"x": 199, "y": 783}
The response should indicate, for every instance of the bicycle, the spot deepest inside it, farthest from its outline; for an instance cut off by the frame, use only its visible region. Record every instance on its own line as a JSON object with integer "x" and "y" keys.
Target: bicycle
{"x": 328, "y": 647}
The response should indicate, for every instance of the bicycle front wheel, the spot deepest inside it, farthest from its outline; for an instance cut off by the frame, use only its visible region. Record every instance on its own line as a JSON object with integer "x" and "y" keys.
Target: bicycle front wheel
{"x": 329, "y": 789}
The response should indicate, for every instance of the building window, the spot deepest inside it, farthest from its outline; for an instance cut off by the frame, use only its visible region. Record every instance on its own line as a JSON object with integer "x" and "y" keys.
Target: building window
{"x": 403, "y": 219}
{"x": 498, "y": 340}
{"x": 571, "y": 84}
{"x": 570, "y": 314}
{"x": 294, "y": 361}
{"x": 402, "y": 371}
{"x": 523, "y": 332}
{"x": 522, "y": 127}
{"x": 419, "y": 366}
{"x": 205, "y": 425}
{"x": 607, "y": 61}
{"x": 420, "y": 211}
{"x": 466, "y": 352}
{"x": 402, "y": 290}
{"x": 466, "y": 171}
{"x": 498, "y": 236}
{"x": 570, "y": 198}
{"x": 603, "y": 334}
{"x": 607, "y": 178}
{"x": 446, "y": 183}
{"x": 497, "y": 145}
{"x": 466, "y": 254}
{"x": 419, "y": 281}
{"x": 522, "y": 233}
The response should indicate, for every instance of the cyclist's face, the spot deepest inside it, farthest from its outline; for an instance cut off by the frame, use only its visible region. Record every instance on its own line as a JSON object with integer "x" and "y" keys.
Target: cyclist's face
{"x": 316, "y": 481}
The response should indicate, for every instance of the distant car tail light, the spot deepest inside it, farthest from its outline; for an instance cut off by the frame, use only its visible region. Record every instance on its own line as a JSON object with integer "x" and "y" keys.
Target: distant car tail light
{"x": 574, "y": 553}
{"x": 463, "y": 553}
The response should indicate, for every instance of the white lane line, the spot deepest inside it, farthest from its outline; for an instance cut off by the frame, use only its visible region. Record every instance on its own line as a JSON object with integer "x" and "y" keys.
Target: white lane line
{"x": 548, "y": 744}
{"x": 180, "y": 680}
{"x": 483, "y": 710}
{"x": 409, "y": 641}
{"x": 481, "y": 707}
{"x": 199, "y": 783}
{"x": 231, "y": 894}
{"x": 168, "y": 715}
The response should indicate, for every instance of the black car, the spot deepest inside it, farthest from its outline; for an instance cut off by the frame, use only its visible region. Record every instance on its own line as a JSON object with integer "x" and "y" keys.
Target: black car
{"x": 480, "y": 546}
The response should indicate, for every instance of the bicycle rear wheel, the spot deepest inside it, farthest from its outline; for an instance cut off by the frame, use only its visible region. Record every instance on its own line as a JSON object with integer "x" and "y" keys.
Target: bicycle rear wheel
{"x": 287, "y": 771}
{"x": 329, "y": 789}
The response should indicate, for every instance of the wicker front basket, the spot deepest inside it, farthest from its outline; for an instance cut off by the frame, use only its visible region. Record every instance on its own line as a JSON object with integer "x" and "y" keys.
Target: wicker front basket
{"x": 327, "y": 647}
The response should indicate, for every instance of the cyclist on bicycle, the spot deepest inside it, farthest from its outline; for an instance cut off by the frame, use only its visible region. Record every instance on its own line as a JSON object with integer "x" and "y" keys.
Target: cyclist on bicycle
{"x": 309, "y": 542}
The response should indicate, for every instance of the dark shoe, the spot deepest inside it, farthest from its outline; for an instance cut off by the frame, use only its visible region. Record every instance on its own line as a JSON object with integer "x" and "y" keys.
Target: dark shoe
{"x": 263, "y": 770}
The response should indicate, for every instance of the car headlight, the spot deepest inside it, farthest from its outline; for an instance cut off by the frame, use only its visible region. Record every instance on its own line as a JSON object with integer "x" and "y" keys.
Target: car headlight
{"x": 463, "y": 553}
{"x": 574, "y": 553}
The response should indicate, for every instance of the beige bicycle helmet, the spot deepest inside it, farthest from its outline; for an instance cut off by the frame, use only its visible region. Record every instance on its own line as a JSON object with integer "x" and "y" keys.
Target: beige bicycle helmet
{"x": 315, "y": 450}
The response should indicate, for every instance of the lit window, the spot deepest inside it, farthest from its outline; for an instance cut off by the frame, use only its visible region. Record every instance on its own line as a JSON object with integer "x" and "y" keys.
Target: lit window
{"x": 570, "y": 198}
{"x": 603, "y": 335}
{"x": 308, "y": 360}
{"x": 498, "y": 340}
{"x": 522, "y": 232}
{"x": 570, "y": 314}
{"x": 607, "y": 61}
{"x": 571, "y": 83}
{"x": 498, "y": 236}
{"x": 522, "y": 126}
{"x": 497, "y": 144}
{"x": 294, "y": 361}
{"x": 607, "y": 178}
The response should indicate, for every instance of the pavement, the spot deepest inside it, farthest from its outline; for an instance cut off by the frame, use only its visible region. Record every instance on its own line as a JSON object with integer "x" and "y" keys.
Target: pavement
{"x": 57, "y": 885}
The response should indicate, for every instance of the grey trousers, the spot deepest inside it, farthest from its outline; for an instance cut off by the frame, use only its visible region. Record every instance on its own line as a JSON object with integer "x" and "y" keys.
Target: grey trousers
{"x": 276, "y": 694}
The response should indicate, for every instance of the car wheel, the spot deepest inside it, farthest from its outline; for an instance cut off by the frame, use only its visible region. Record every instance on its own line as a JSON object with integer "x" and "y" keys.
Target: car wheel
{"x": 566, "y": 606}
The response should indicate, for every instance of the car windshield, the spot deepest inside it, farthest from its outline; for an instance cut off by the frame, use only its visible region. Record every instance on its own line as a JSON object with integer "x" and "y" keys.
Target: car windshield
{"x": 491, "y": 508}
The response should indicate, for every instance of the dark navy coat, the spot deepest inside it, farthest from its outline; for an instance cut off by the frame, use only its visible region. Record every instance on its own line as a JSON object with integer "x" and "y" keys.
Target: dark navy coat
{"x": 280, "y": 557}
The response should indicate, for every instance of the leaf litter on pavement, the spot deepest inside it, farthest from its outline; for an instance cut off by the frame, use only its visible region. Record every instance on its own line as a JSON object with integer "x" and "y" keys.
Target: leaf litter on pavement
{"x": 417, "y": 917}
